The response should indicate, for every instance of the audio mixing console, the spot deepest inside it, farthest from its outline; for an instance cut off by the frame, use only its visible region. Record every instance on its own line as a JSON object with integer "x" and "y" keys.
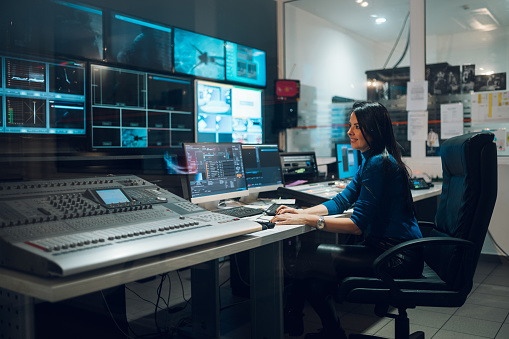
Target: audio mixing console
{"x": 64, "y": 227}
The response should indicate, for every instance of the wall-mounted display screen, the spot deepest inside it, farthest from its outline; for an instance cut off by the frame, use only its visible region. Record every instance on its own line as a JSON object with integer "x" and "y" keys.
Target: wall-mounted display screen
{"x": 133, "y": 109}
{"x": 140, "y": 43}
{"x": 56, "y": 28}
{"x": 226, "y": 113}
{"x": 199, "y": 55}
{"x": 43, "y": 97}
{"x": 245, "y": 64}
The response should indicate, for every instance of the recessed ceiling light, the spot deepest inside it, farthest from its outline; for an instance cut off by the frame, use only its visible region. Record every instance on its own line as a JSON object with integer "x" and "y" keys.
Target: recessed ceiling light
{"x": 364, "y": 4}
{"x": 380, "y": 20}
{"x": 374, "y": 16}
{"x": 358, "y": 1}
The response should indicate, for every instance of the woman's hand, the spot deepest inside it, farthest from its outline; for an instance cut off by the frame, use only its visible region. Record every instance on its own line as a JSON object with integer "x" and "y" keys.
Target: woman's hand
{"x": 285, "y": 209}
{"x": 292, "y": 218}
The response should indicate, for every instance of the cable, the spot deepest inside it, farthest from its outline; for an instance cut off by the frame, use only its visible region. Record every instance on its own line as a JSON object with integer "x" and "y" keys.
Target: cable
{"x": 397, "y": 40}
{"x": 404, "y": 51}
{"x": 113, "y": 317}
{"x": 497, "y": 246}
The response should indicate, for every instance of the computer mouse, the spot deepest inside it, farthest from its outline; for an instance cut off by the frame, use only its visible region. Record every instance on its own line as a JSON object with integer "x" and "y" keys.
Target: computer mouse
{"x": 266, "y": 224}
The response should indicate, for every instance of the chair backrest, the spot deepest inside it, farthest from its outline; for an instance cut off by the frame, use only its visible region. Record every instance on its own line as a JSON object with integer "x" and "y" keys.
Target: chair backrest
{"x": 469, "y": 192}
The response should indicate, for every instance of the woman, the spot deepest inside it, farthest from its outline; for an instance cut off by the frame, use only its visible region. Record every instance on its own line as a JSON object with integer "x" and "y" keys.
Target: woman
{"x": 383, "y": 214}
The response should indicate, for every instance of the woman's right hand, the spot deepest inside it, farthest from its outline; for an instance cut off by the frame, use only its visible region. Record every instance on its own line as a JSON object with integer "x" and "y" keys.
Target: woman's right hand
{"x": 285, "y": 209}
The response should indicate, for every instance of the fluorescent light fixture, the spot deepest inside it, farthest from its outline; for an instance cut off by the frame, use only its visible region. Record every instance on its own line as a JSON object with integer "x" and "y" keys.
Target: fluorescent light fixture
{"x": 364, "y": 4}
{"x": 358, "y": 1}
{"x": 380, "y": 20}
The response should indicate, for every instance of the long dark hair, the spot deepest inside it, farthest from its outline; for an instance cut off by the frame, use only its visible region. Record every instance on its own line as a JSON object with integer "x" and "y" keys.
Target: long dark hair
{"x": 376, "y": 127}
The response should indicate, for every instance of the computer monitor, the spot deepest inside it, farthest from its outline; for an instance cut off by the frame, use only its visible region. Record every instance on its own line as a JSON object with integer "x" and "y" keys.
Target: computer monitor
{"x": 215, "y": 171}
{"x": 348, "y": 160}
{"x": 227, "y": 113}
{"x": 245, "y": 64}
{"x": 299, "y": 166}
{"x": 262, "y": 167}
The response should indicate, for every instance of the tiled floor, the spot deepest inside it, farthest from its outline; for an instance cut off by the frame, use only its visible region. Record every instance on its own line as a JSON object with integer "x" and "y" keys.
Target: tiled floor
{"x": 484, "y": 315}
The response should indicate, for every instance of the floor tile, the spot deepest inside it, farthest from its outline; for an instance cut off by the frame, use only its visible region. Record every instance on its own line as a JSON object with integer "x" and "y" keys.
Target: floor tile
{"x": 503, "y": 333}
{"x": 445, "y": 310}
{"x": 488, "y": 300}
{"x": 388, "y": 330}
{"x": 444, "y": 334}
{"x": 494, "y": 289}
{"x": 427, "y": 318}
{"x": 467, "y": 326}
{"x": 501, "y": 280}
{"x": 483, "y": 312}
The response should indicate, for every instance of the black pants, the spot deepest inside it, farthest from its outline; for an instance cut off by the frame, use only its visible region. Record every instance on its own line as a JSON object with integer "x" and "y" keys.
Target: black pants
{"x": 319, "y": 270}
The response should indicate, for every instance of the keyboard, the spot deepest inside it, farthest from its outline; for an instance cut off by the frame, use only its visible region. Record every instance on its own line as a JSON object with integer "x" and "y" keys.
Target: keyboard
{"x": 240, "y": 211}
{"x": 271, "y": 210}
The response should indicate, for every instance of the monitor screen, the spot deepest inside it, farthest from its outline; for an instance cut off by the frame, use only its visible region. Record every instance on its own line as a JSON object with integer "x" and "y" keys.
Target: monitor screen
{"x": 132, "y": 109}
{"x": 262, "y": 167}
{"x": 299, "y": 166}
{"x": 55, "y": 27}
{"x": 199, "y": 55}
{"x": 227, "y": 113}
{"x": 216, "y": 171}
{"x": 140, "y": 43}
{"x": 245, "y": 64}
{"x": 347, "y": 159}
{"x": 44, "y": 97}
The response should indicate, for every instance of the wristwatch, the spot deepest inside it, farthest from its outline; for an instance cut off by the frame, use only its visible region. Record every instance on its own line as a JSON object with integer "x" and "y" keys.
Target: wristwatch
{"x": 320, "y": 224}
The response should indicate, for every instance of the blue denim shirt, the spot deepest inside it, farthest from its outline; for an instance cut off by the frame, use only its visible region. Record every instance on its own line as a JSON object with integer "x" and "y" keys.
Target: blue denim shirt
{"x": 379, "y": 197}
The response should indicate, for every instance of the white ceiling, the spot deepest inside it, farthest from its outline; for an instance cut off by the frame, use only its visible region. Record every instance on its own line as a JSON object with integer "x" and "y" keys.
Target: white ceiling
{"x": 443, "y": 17}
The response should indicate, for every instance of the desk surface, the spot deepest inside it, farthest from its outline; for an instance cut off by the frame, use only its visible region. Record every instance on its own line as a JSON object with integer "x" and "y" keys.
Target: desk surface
{"x": 61, "y": 288}
{"x": 58, "y": 288}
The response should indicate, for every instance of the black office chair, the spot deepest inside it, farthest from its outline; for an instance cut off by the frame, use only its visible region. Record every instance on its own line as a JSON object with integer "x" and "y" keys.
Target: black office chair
{"x": 451, "y": 248}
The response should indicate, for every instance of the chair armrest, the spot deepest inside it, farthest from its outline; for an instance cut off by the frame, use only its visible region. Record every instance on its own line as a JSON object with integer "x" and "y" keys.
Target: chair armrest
{"x": 378, "y": 264}
{"x": 426, "y": 227}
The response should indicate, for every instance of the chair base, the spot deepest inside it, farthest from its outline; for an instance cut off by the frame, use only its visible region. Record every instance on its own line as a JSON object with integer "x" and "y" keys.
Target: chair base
{"x": 415, "y": 335}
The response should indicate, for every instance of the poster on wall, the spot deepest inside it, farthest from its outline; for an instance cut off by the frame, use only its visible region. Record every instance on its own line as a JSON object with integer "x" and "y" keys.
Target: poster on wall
{"x": 467, "y": 78}
{"x": 490, "y": 82}
{"x": 490, "y": 107}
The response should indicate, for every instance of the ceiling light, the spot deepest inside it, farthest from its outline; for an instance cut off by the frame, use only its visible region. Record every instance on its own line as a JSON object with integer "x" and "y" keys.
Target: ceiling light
{"x": 380, "y": 20}
{"x": 364, "y": 4}
{"x": 358, "y": 1}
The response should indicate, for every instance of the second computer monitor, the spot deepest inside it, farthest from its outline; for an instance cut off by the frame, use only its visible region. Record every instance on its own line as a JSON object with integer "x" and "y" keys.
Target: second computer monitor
{"x": 348, "y": 160}
{"x": 262, "y": 167}
{"x": 216, "y": 171}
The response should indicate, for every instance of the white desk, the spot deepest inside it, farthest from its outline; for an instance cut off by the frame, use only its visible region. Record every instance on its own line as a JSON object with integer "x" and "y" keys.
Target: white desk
{"x": 265, "y": 267}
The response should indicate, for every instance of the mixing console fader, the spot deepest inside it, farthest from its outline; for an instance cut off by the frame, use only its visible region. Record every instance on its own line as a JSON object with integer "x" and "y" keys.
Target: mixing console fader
{"x": 64, "y": 227}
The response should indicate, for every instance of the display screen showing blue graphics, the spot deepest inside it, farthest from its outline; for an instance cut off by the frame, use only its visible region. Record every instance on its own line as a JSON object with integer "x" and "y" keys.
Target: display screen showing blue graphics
{"x": 216, "y": 171}
{"x": 133, "y": 109}
{"x": 199, "y": 55}
{"x": 113, "y": 196}
{"x": 140, "y": 43}
{"x": 262, "y": 167}
{"x": 226, "y": 113}
{"x": 348, "y": 160}
{"x": 43, "y": 97}
{"x": 245, "y": 64}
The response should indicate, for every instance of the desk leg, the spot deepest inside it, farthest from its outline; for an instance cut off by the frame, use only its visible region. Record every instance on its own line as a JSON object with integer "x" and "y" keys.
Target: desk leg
{"x": 16, "y": 315}
{"x": 205, "y": 294}
{"x": 266, "y": 277}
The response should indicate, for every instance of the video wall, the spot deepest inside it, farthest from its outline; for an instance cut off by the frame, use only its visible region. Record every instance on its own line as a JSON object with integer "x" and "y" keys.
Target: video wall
{"x": 132, "y": 109}
{"x": 228, "y": 113}
{"x": 42, "y": 97}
